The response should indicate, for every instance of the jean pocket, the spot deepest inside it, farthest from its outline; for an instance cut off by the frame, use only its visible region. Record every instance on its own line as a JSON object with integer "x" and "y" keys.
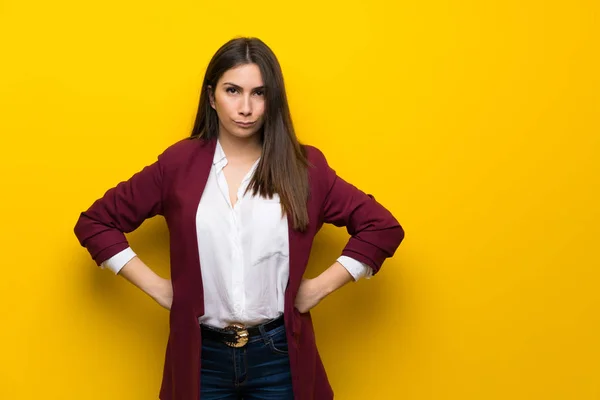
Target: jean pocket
{"x": 278, "y": 344}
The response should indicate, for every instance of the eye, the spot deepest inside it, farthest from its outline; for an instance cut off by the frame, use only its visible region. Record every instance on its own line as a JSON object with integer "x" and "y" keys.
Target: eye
{"x": 260, "y": 93}
{"x": 231, "y": 89}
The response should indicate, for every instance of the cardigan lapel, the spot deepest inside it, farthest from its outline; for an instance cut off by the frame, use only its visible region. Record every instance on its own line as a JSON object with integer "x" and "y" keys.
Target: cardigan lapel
{"x": 185, "y": 269}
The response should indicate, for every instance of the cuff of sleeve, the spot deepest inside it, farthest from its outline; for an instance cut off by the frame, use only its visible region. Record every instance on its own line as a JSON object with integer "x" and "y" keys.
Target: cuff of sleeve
{"x": 118, "y": 261}
{"x": 356, "y": 268}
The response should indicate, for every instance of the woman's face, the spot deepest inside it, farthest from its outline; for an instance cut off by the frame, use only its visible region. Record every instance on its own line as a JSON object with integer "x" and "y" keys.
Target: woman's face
{"x": 239, "y": 101}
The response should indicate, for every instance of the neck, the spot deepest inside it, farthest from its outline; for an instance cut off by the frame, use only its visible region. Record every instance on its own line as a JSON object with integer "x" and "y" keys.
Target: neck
{"x": 242, "y": 149}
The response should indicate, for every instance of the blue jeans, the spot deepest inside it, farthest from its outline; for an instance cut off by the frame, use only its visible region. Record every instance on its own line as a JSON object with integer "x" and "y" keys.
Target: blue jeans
{"x": 258, "y": 371}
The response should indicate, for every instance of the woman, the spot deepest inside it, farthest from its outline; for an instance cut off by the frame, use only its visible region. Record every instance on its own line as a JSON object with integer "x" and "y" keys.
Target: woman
{"x": 243, "y": 201}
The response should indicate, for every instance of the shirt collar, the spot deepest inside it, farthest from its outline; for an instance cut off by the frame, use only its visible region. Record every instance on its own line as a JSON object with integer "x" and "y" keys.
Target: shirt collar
{"x": 219, "y": 159}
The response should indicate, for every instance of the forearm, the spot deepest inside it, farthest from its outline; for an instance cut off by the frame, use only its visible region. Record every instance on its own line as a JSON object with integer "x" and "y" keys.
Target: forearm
{"x": 139, "y": 274}
{"x": 332, "y": 279}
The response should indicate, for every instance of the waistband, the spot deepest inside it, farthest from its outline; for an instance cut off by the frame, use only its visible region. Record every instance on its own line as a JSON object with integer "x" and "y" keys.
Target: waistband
{"x": 237, "y": 335}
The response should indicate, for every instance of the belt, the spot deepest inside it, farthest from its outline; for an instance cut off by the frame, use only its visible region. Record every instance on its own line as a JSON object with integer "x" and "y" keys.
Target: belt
{"x": 237, "y": 335}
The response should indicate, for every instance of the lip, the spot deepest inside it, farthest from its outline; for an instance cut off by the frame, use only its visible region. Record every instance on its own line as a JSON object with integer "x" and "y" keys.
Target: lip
{"x": 244, "y": 124}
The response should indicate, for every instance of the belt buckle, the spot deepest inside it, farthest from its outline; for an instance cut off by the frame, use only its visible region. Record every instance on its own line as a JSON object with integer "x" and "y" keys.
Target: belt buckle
{"x": 241, "y": 334}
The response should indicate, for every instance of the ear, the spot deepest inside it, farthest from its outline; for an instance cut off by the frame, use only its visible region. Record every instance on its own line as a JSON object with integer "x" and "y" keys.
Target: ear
{"x": 211, "y": 96}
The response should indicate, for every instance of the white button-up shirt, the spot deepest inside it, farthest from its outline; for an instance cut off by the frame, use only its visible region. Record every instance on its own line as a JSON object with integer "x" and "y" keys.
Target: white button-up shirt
{"x": 244, "y": 252}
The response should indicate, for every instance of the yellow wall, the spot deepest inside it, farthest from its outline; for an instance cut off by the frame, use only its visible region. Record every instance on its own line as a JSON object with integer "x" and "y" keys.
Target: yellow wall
{"x": 475, "y": 122}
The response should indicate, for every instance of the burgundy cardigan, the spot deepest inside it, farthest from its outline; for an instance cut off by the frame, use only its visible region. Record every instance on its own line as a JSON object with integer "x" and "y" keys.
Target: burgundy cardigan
{"x": 172, "y": 187}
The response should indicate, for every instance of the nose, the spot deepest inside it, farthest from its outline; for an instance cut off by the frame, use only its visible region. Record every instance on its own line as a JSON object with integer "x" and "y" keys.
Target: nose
{"x": 246, "y": 106}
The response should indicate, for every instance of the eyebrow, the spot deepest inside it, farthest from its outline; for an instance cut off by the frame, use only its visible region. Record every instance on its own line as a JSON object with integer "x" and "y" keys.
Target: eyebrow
{"x": 239, "y": 87}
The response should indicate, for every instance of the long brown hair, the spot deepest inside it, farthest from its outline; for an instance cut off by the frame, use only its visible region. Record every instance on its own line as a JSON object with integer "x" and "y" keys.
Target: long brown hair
{"x": 282, "y": 168}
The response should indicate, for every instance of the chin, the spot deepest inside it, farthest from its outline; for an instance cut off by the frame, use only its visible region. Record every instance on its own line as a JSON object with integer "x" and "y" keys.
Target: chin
{"x": 242, "y": 133}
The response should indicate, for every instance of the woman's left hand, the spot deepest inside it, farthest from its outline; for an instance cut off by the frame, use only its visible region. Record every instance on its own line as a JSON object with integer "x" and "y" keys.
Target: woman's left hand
{"x": 309, "y": 295}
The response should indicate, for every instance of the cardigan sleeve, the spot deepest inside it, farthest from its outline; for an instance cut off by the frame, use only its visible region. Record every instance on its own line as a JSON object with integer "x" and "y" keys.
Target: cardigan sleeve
{"x": 123, "y": 208}
{"x": 375, "y": 234}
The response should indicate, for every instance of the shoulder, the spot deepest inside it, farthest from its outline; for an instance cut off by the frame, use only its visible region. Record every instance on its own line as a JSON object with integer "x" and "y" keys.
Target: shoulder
{"x": 315, "y": 157}
{"x": 320, "y": 175}
{"x": 183, "y": 149}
